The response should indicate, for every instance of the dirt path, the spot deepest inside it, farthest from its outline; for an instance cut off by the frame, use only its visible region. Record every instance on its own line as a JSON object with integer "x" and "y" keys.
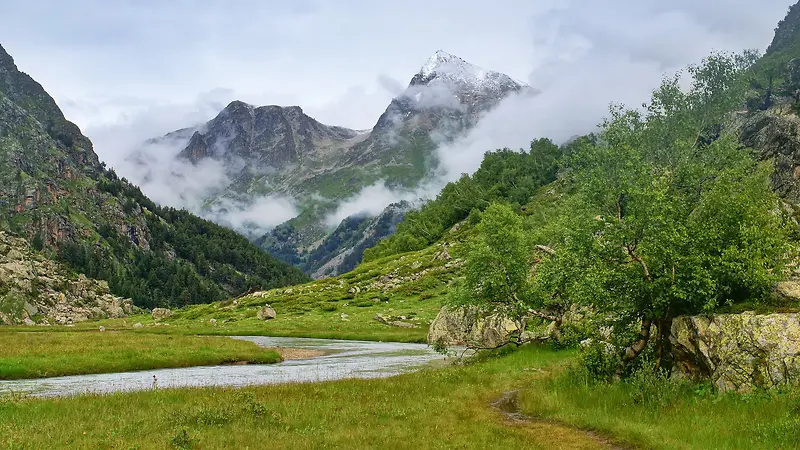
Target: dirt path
{"x": 547, "y": 433}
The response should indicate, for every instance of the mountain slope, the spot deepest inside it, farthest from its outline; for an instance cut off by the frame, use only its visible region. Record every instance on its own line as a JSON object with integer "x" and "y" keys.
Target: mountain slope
{"x": 54, "y": 191}
{"x": 273, "y": 150}
{"x": 771, "y": 123}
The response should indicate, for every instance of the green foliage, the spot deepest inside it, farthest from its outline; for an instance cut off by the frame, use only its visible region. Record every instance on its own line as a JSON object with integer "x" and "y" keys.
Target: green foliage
{"x": 599, "y": 361}
{"x": 38, "y": 241}
{"x": 669, "y": 217}
{"x": 189, "y": 260}
{"x": 653, "y": 388}
{"x": 663, "y": 215}
{"x": 182, "y": 441}
{"x": 498, "y": 262}
{"x": 505, "y": 175}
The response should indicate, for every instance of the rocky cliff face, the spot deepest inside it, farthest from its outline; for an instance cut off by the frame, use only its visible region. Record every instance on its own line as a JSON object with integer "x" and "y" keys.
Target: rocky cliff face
{"x": 37, "y": 290}
{"x": 273, "y": 150}
{"x": 775, "y": 134}
{"x": 48, "y": 169}
{"x": 267, "y": 137}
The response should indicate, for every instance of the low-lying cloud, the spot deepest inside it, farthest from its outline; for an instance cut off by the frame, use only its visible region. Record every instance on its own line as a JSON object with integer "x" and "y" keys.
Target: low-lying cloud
{"x": 172, "y": 181}
{"x": 372, "y": 200}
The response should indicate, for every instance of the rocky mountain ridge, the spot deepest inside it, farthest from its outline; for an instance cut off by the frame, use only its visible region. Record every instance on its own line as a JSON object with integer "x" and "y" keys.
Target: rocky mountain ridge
{"x": 275, "y": 150}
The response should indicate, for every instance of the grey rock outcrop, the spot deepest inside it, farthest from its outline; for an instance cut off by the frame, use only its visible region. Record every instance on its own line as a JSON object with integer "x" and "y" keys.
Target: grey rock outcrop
{"x": 470, "y": 327}
{"x": 391, "y": 321}
{"x": 738, "y": 352}
{"x": 775, "y": 134}
{"x": 266, "y": 313}
{"x": 161, "y": 313}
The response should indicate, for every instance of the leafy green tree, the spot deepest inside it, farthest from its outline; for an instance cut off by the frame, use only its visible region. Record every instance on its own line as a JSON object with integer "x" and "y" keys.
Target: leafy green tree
{"x": 791, "y": 84}
{"x": 670, "y": 216}
{"x": 498, "y": 262}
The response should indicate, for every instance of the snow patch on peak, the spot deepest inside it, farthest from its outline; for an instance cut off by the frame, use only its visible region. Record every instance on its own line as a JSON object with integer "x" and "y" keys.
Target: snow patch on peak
{"x": 443, "y": 62}
{"x": 453, "y": 68}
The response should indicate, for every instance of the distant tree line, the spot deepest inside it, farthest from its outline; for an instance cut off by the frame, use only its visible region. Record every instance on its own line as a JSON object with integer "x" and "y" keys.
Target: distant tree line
{"x": 507, "y": 175}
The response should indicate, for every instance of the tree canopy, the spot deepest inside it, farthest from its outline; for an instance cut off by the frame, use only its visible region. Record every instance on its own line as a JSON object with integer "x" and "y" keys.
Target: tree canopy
{"x": 667, "y": 216}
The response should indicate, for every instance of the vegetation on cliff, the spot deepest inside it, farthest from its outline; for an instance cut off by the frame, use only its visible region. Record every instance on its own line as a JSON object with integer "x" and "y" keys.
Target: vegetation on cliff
{"x": 666, "y": 216}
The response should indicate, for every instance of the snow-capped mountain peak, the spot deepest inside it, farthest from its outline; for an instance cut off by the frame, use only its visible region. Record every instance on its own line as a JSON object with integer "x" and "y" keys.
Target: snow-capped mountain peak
{"x": 443, "y": 65}
{"x": 443, "y": 62}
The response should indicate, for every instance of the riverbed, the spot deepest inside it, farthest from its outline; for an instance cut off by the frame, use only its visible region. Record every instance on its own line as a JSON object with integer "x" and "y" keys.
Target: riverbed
{"x": 338, "y": 359}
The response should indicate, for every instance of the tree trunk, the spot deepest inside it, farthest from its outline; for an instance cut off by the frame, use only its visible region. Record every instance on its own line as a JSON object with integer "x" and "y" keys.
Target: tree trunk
{"x": 664, "y": 327}
{"x": 556, "y": 334}
{"x": 637, "y": 347}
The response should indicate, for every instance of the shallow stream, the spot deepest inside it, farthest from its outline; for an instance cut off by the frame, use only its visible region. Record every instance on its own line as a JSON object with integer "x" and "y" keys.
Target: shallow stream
{"x": 341, "y": 359}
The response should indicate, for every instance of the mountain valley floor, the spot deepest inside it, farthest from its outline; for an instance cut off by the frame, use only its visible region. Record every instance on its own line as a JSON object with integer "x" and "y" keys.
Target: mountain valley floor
{"x": 533, "y": 397}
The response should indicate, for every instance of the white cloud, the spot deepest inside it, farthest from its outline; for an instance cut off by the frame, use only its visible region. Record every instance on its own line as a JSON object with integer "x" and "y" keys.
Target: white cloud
{"x": 254, "y": 218}
{"x": 369, "y": 202}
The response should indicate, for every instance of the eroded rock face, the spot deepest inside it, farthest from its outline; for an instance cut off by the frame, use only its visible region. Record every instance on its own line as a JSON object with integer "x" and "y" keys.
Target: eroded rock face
{"x": 738, "y": 352}
{"x": 775, "y": 133}
{"x": 470, "y": 327}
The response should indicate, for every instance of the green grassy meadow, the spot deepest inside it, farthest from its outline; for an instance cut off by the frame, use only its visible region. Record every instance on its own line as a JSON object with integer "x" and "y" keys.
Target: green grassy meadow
{"x": 430, "y": 409}
{"x": 410, "y": 288}
{"x": 38, "y": 355}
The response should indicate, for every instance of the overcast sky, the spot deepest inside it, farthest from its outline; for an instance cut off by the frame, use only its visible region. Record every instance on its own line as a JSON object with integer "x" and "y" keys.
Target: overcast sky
{"x": 105, "y": 61}
{"x": 129, "y": 70}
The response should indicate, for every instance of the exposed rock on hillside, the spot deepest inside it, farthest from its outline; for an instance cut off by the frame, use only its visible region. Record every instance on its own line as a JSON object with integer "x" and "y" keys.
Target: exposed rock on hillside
{"x": 266, "y": 313}
{"x": 34, "y": 289}
{"x": 775, "y": 134}
{"x": 738, "y": 352}
{"x": 469, "y": 327}
{"x": 161, "y": 314}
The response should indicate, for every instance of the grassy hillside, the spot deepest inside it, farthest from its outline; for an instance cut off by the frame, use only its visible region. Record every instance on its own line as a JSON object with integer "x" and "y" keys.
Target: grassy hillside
{"x": 408, "y": 288}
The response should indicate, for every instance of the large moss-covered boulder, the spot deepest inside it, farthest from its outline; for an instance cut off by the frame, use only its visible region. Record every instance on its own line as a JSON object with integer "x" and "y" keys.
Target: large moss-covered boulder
{"x": 266, "y": 313}
{"x": 469, "y": 326}
{"x": 738, "y": 352}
